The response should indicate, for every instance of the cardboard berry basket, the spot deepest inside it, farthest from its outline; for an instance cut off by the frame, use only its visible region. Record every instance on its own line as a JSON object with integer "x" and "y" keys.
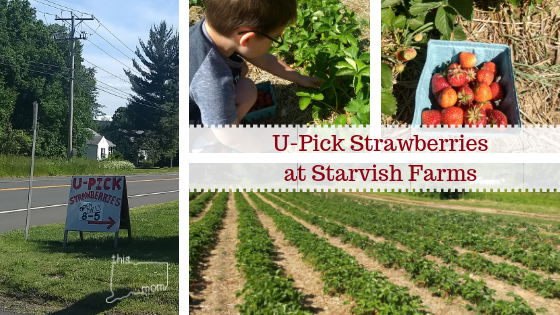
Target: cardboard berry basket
{"x": 440, "y": 53}
{"x": 265, "y": 112}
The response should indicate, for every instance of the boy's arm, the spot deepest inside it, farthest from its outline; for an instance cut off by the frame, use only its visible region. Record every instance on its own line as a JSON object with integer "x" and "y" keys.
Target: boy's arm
{"x": 275, "y": 66}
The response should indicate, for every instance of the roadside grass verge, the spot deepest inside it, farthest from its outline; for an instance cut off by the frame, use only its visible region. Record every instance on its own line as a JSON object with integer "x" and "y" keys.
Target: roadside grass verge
{"x": 19, "y": 166}
{"x": 76, "y": 279}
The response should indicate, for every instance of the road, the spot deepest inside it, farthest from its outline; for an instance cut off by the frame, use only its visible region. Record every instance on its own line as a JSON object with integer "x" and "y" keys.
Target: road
{"x": 50, "y": 196}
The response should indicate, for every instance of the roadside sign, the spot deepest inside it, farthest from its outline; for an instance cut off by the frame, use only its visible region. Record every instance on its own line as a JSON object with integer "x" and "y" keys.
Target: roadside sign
{"x": 97, "y": 204}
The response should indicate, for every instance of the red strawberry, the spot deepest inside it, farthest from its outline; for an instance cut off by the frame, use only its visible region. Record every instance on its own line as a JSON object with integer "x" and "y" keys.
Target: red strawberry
{"x": 269, "y": 102}
{"x": 475, "y": 116}
{"x": 447, "y": 97}
{"x": 482, "y": 93}
{"x": 484, "y": 106}
{"x": 484, "y": 76}
{"x": 457, "y": 77}
{"x": 260, "y": 93}
{"x": 497, "y": 91}
{"x": 471, "y": 74}
{"x": 453, "y": 66}
{"x": 490, "y": 66}
{"x": 465, "y": 95}
{"x": 267, "y": 97}
{"x": 452, "y": 116}
{"x": 431, "y": 117}
{"x": 439, "y": 83}
{"x": 467, "y": 60}
{"x": 496, "y": 117}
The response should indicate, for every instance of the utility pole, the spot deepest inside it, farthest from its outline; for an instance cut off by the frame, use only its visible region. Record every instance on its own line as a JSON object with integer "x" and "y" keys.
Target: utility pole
{"x": 72, "y": 39}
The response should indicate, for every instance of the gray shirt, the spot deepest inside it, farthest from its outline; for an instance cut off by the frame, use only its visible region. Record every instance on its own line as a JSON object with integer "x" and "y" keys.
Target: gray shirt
{"x": 212, "y": 79}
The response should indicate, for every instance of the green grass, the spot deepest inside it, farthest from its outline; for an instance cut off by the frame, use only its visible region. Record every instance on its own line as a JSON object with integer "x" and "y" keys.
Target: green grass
{"x": 19, "y": 166}
{"x": 76, "y": 279}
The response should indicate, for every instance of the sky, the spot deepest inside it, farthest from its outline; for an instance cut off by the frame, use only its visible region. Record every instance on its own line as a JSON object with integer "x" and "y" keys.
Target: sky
{"x": 128, "y": 20}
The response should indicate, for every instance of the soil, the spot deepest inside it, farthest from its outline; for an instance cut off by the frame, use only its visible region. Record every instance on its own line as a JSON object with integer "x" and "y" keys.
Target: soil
{"x": 435, "y": 304}
{"x": 306, "y": 279}
{"x": 221, "y": 279}
{"x": 501, "y": 287}
{"x": 199, "y": 216}
{"x": 455, "y": 207}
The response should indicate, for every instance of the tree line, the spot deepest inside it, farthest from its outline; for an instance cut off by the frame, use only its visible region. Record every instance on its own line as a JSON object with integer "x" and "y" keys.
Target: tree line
{"x": 34, "y": 66}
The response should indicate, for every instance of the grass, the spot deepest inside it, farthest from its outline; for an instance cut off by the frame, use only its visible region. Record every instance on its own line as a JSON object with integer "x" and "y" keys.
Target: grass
{"x": 76, "y": 279}
{"x": 529, "y": 202}
{"x": 19, "y": 166}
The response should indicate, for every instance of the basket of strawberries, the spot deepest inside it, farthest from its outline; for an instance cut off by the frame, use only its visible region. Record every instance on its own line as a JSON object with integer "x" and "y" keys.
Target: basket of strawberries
{"x": 265, "y": 105}
{"x": 466, "y": 84}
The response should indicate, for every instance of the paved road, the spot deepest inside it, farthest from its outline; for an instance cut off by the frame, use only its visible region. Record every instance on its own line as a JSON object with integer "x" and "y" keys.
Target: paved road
{"x": 50, "y": 195}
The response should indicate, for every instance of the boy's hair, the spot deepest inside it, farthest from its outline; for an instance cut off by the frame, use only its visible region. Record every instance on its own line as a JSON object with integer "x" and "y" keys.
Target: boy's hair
{"x": 225, "y": 16}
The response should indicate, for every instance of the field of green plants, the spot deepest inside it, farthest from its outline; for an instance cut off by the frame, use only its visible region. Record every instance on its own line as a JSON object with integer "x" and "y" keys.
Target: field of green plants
{"x": 463, "y": 263}
{"x": 325, "y": 42}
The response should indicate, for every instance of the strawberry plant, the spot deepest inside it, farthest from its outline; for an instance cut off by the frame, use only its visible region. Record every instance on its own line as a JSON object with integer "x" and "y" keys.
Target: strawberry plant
{"x": 198, "y": 205}
{"x": 323, "y": 41}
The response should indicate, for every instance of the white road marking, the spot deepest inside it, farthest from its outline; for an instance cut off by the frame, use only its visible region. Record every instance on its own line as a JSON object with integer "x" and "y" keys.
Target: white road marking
{"x": 65, "y": 204}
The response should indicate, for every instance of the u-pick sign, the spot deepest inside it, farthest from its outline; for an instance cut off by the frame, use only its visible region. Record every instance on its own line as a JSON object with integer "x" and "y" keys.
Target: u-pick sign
{"x": 97, "y": 204}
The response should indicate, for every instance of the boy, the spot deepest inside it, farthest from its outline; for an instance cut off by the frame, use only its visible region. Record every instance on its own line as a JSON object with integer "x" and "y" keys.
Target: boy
{"x": 219, "y": 92}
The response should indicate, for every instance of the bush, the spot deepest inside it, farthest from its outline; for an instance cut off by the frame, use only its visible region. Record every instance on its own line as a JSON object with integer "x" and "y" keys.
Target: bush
{"x": 117, "y": 165}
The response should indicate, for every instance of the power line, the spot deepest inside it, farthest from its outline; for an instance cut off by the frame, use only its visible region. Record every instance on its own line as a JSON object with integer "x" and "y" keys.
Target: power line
{"x": 108, "y": 92}
{"x": 14, "y": 66}
{"x": 98, "y": 67}
{"x": 115, "y": 36}
{"x": 113, "y": 57}
{"x": 45, "y": 12}
{"x": 49, "y": 6}
{"x": 45, "y": 64}
{"x": 62, "y": 6}
{"x": 125, "y": 92}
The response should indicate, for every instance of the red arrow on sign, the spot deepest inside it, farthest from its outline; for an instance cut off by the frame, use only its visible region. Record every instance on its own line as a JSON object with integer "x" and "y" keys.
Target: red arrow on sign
{"x": 111, "y": 222}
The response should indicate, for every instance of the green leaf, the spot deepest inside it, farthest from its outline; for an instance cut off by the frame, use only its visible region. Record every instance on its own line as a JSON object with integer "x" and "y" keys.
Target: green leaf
{"x": 364, "y": 118}
{"x": 465, "y": 8}
{"x": 352, "y": 63}
{"x": 359, "y": 64}
{"x": 365, "y": 57}
{"x": 459, "y": 34}
{"x": 304, "y": 102}
{"x": 358, "y": 83}
{"x": 364, "y": 109}
{"x": 364, "y": 72}
{"x": 303, "y": 93}
{"x": 399, "y": 22}
{"x": 341, "y": 120}
{"x": 343, "y": 64}
{"x": 346, "y": 71}
{"x": 317, "y": 96}
{"x": 353, "y": 106}
{"x": 445, "y": 18}
{"x": 387, "y": 3}
{"x": 352, "y": 52}
{"x": 418, "y": 7}
{"x": 352, "y": 39}
{"x": 386, "y": 76}
{"x": 417, "y": 21}
{"x": 388, "y": 103}
{"x": 355, "y": 121}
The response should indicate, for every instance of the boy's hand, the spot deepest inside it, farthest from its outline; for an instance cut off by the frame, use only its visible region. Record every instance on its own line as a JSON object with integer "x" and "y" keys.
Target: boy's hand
{"x": 311, "y": 82}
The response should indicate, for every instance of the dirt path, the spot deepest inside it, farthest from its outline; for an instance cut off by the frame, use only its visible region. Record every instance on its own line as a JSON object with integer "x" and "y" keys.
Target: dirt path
{"x": 203, "y": 212}
{"x": 217, "y": 294}
{"x": 454, "y": 207}
{"x": 534, "y": 300}
{"x": 197, "y": 196}
{"x": 436, "y": 305}
{"x": 305, "y": 278}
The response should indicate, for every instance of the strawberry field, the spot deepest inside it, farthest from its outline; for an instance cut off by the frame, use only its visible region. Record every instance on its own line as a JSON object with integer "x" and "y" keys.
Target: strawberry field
{"x": 313, "y": 253}
{"x": 329, "y": 41}
{"x": 529, "y": 27}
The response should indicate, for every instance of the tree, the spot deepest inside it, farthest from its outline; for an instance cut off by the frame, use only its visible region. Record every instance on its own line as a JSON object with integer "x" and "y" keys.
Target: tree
{"x": 154, "y": 107}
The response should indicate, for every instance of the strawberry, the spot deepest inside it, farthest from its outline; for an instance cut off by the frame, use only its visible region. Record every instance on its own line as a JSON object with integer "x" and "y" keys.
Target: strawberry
{"x": 447, "y": 97}
{"x": 496, "y": 117}
{"x": 439, "y": 83}
{"x": 475, "y": 116}
{"x": 490, "y": 66}
{"x": 471, "y": 74}
{"x": 452, "y": 116}
{"x": 453, "y": 66}
{"x": 485, "y": 76}
{"x": 406, "y": 55}
{"x": 465, "y": 95}
{"x": 431, "y": 117}
{"x": 457, "y": 76}
{"x": 399, "y": 67}
{"x": 484, "y": 106}
{"x": 467, "y": 60}
{"x": 497, "y": 91}
{"x": 482, "y": 92}
{"x": 269, "y": 102}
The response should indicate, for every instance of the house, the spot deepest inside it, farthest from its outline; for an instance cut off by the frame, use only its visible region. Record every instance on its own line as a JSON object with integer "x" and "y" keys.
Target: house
{"x": 99, "y": 148}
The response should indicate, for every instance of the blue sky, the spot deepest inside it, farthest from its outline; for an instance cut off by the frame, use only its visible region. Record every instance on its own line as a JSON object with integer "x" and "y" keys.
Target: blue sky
{"x": 128, "y": 20}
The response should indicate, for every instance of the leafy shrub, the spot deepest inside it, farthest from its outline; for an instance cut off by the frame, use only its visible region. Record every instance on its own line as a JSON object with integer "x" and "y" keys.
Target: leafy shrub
{"x": 117, "y": 165}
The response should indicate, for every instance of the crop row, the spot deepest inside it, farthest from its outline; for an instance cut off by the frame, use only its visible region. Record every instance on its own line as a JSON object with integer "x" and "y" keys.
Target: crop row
{"x": 202, "y": 233}
{"x": 368, "y": 220}
{"x": 465, "y": 231}
{"x": 194, "y": 194}
{"x": 341, "y": 272}
{"x": 264, "y": 292}
{"x": 198, "y": 205}
{"x": 442, "y": 280}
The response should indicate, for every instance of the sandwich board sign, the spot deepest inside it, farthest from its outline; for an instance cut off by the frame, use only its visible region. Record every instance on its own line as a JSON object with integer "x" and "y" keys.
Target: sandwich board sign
{"x": 97, "y": 204}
